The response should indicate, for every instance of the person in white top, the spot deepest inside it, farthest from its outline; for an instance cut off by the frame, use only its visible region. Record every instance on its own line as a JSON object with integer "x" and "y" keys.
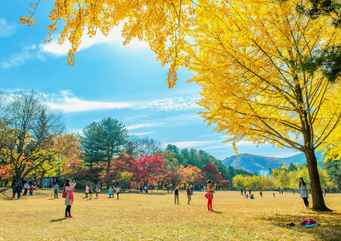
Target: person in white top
{"x": 302, "y": 189}
{"x": 117, "y": 191}
{"x": 87, "y": 190}
{"x": 26, "y": 187}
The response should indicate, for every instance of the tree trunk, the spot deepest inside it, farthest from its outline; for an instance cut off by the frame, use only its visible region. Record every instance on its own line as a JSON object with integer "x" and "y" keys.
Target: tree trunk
{"x": 109, "y": 179}
{"x": 315, "y": 185}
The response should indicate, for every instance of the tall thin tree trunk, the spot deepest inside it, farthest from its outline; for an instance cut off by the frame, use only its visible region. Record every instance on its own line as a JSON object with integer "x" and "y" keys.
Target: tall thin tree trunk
{"x": 315, "y": 184}
{"x": 109, "y": 179}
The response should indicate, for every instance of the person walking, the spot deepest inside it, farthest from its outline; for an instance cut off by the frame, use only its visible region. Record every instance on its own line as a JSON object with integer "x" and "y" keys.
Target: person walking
{"x": 68, "y": 193}
{"x": 98, "y": 189}
{"x": 55, "y": 190}
{"x": 176, "y": 195}
{"x": 189, "y": 192}
{"x": 302, "y": 188}
{"x": 209, "y": 195}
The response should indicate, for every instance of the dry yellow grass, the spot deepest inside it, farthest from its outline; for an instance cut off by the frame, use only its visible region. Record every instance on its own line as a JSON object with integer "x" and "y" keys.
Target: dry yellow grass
{"x": 154, "y": 217}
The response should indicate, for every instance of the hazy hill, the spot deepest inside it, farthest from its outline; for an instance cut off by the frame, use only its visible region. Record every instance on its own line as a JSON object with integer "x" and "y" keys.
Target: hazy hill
{"x": 262, "y": 164}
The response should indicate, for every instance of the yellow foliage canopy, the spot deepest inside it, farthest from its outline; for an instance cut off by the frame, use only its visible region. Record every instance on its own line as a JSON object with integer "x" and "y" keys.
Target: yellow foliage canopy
{"x": 249, "y": 58}
{"x": 247, "y": 55}
{"x": 160, "y": 23}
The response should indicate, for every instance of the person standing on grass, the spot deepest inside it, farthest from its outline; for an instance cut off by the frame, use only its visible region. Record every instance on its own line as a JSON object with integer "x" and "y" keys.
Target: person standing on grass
{"x": 55, "y": 190}
{"x": 30, "y": 189}
{"x": 97, "y": 189}
{"x": 68, "y": 193}
{"x": 26, "y": 187}
{"x": 91, "y": 190}
{"x": 209, "y": 195}
{"x": 302, "y": 189}
{"x": 18, "y": 188}
{"x": 117, "y": 191}
{"x": 189, "y": 192}
{"x": 176, "y": 195}
{"x": 87, "y": 190}
{"x": 110, "y": 191}
{"x": 14, "y": 189}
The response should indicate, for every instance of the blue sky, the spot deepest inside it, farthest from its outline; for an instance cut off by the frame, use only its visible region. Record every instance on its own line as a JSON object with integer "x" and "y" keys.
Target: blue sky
{"x": 107, "y": 80}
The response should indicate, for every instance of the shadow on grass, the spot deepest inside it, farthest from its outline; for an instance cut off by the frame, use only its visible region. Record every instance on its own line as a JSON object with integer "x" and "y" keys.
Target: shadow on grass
{"x": 4, "y": 194}
{"x": 329, "y": 228}
{"x": 216, "y": 211}
{"x": 148, "y": 194}
{"x": 57, "y": 220}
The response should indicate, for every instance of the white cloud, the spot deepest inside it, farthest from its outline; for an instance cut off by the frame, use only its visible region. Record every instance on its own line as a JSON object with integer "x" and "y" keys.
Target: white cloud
{"x": 68, "y": 103}
{"x": 74, "y": 104}
{"x": 142, "y": 126}
{"x": 141, "y": 133}
{"x": 190, "y": 144}
{"x": 53, "y": 48}
{"x": 6, "y": 29}
{"x": 113, "y": 38}
{"x": 19, "y": 58}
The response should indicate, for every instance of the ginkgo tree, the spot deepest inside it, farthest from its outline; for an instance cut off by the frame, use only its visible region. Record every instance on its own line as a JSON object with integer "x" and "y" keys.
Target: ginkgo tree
{"x": 254, "y": 59}
{"x": 253, "y": 62}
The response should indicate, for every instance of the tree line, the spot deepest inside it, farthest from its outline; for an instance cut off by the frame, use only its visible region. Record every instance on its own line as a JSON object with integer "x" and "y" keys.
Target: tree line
{"x": 286, "y": 178}
{"x": 33, "y": 145}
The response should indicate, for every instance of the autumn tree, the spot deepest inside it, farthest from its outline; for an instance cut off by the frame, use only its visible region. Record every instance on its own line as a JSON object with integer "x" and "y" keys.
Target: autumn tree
{"x": 190, "y": 174}
{"x": 211, "y": 172}
{"x": 26, "y": 133}
{"x": 253, "y": 182}
{"x": 317, "y": 8}
{"x": 122, "y": 169}
{"x": 250, "y": 62}
{"x": 150, "y": 169}
{"x": 67, "y": 147}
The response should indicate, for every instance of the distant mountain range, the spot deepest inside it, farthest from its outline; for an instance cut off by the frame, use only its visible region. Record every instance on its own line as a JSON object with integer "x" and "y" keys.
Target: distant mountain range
{"x": 261, "y": 164}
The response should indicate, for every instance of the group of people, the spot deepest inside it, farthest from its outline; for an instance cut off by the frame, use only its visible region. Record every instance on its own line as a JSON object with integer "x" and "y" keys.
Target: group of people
{"x": 302, "y": 190}
{"x": 248, "y": 194}
{"x": 114, "y": 189}
{"x": 27, "y": 188}
{"x": 24, "y": 188}
{"x": 89, "y": 190}
{"x": 69, "y": 187}
{"x": 189, "y": 193}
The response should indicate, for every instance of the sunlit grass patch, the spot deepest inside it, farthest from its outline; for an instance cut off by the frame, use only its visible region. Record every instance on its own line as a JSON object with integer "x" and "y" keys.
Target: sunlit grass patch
{"x": 154, "y": 217}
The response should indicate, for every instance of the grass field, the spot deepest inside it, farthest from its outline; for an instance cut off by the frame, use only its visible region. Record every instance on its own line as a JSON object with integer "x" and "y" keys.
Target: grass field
{"x": 154, "y": 217}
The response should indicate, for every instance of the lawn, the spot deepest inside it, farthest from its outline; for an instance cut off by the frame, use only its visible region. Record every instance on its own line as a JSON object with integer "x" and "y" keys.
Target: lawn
{"x": 154, "y": 217}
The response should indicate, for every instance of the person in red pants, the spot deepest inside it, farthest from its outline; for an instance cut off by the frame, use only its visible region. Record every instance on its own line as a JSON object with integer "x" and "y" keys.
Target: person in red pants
{"x": 209, "y": 195}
